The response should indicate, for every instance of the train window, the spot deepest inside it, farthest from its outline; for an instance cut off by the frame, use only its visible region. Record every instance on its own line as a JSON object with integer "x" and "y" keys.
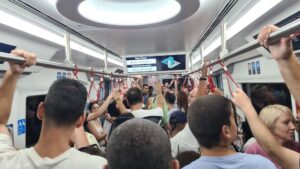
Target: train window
{"x": 33, "y": 124}
{"x": 218, "y": 81}
{"x": 264, "y": 94}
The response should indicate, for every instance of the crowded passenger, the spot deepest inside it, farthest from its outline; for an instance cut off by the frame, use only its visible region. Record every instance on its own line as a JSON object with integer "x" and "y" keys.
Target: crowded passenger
{"x": 170, "y": 99}
{"x": 282, "y": 52}
{"x": 61, "y": 113}
{"x": 139, "y": 144}
{"x": 135, "y": 102}
{"x": 280, "y": 121}
{"x": 212, "y": 121}
{"x": 94, "y": 126}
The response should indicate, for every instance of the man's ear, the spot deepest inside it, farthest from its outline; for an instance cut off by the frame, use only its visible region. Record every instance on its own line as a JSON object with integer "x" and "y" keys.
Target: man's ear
{"x": 225, "y": 132}
{"x": 80, "y": 120}
{"x": 41, "y": 111}
{"x": 105, "y": 166}
{"x": 175, "y": 164}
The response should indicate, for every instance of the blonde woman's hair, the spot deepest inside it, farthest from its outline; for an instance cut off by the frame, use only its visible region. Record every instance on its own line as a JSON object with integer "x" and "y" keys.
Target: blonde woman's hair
{"x": 270, "y": 114}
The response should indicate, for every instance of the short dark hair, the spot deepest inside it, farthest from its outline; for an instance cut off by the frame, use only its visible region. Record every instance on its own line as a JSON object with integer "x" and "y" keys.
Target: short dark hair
{"x": 134, "y": 96}
{"x": 170, "y": 98}
{"x": 65, "y": 102}
{"x": 139, "y": 144}
{"x": 206, "y": 117}
{"x": 145, "y": 85}
{"x": 90, "y": 105}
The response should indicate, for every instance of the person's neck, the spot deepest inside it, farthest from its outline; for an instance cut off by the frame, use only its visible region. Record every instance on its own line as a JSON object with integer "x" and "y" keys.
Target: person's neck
{"x": 170, "y": 106}
{"x": 53, "y": 142}
{"x": 175, "y": 131}
{"x": 219, "y": 150}
{"x": 136, "y": 106}
{"x": 286, "y": 144}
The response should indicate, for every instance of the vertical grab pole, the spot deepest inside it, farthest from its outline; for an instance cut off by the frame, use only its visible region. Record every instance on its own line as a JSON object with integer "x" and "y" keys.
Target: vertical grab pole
{"x": 68, "y": 59}
{"x": 223, "y": 30}
{"x": 105, "y": 61}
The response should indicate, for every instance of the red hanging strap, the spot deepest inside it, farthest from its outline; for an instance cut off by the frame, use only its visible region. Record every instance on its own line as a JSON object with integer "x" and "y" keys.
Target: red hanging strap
{"x": 92, "y": 83}
{"x": 210, "y": 80}
{"x": 75, "y": 72}
{"x": 228, "y": 76}
{"x": 99, "y": 89}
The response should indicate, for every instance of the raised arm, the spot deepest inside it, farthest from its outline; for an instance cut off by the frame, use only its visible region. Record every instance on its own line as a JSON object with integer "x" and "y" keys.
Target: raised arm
{"x": 159, "y": 96}
{"x": 176, "y": 86}
{"x": 202, "y": 81}
{"x": 287, "y": 61}
{"x": 119, "y": 101}
{"x": 102, "y": 109}
{"x": 287, "y": 158}
{"x": 8, "y": 86}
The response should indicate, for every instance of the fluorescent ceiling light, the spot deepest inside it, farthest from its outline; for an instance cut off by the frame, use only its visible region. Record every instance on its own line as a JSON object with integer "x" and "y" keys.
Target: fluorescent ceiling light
{"x": 24, "y": 26}
{"x": 81, "y": 48}
{"x": 115, "y": 62}
{"x": 130, "y": 12}
{"x": 250, "y": 16}
{"x": 255, "y": 12}
{"x": 27, "y": 27}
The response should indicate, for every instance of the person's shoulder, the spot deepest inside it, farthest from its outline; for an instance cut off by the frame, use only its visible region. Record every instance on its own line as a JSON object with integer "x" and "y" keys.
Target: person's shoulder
{"x": 156, "y": 109}
{"x": 253, "y": 148}
{"x": 197, "y": 164}
{"x": 257, "y": 161}
{"x": 87, "y": 159}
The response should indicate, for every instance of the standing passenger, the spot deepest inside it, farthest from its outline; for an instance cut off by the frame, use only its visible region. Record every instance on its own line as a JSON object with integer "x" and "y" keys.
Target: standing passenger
{"x": 280, "y": 122}
{"x": 61, "y": 113}
{"x": 212, "y": 121}
{"x": 139, "y": 144}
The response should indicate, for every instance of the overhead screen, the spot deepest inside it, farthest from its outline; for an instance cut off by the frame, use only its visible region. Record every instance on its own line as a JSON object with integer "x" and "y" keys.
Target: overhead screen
{"x": 156, "y": 64}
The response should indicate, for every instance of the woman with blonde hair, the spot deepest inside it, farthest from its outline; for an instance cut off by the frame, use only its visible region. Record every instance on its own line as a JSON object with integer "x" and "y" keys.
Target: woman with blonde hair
{"x": 280, "y": 121}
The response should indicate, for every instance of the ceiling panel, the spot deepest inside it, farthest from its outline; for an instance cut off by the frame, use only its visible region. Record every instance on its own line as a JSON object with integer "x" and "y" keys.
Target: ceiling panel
{"x": 178, "y": 37}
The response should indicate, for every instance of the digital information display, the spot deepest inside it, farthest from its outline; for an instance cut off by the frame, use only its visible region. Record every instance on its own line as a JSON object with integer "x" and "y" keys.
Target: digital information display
{"x": 165, "y": 63}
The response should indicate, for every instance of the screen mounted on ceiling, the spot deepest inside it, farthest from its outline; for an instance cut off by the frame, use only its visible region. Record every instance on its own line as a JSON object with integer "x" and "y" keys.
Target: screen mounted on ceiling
{"x": 157, "y": 64}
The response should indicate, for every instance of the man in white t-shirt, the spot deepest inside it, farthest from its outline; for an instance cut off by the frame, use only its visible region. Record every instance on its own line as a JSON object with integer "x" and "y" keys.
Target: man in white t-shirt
{"x": 135, "y": 102}
{"x": 61, "y": 113}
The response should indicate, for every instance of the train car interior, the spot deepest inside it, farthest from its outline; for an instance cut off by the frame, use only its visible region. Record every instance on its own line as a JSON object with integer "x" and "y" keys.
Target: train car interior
{"x": 107, "y": 44}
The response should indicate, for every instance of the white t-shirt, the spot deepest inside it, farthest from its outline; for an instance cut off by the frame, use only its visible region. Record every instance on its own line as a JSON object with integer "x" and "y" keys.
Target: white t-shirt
{"x": 141, "y": 113}
{"x": 29, "y": 159}
{"x": 184, "y": 141}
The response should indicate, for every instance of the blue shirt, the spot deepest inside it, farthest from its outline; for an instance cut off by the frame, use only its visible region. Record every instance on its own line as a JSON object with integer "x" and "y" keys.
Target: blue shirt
{"x": 235, "y": 161}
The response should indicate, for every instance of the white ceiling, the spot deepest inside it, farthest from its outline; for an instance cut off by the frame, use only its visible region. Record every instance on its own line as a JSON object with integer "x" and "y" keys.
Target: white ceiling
{"x": 177, "y": 37}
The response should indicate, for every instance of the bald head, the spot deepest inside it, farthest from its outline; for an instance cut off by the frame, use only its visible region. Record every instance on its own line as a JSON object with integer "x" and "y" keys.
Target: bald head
{"x": 139, "y": 144}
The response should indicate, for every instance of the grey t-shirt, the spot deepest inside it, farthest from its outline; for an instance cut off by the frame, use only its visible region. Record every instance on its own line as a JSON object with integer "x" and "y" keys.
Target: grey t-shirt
{"x": 236, "y": 161}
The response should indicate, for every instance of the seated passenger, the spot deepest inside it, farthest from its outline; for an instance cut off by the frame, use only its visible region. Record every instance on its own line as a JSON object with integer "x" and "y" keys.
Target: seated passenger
{"x": 139, "y": 144}
{"x": 212, "y": 121}
{"x": 280, "y": 122}
{"x": 61, "y": 113}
